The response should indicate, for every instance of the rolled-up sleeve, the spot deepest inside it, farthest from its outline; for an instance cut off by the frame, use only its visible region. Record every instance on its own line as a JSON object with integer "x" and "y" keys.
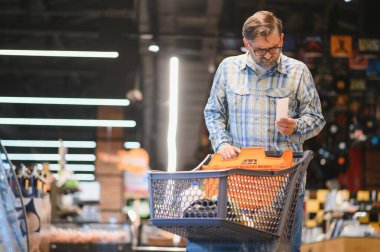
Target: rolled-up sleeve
{"x": 310, "y": 120}
{"x": 216, "y": 110}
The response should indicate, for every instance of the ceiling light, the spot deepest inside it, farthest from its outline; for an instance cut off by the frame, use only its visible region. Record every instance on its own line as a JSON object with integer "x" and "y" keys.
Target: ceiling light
{"x": 85, "y": 177}
{"x": 154, "y": 48}
{"x": 81, "y": 177}
{"x": 64, "y": 101}
{"x": 132, "y": 145}
{"x": 73, "y": 167}
{"x": 68, "y": 122}
{"x": 146, "y": 36}
{"x": 57, "y": 53}
{"x": 48, "y": 143}
{"x": 135, "y": 95}
{"x": 49, "y": 157}
{"x": 173, "y": 115}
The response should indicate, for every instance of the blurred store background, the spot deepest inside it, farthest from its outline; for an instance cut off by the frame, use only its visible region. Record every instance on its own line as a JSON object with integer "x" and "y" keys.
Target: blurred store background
{"x": 84, "y": 158}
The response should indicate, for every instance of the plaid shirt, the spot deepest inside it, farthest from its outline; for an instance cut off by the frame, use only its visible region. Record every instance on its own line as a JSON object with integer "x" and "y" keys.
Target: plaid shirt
{"x": 241, "y": 109}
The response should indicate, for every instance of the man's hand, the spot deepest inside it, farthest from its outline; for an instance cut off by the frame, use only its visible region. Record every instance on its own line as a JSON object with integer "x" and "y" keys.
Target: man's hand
{"x": 286, "y": 125}
{"x": 228, "y": 151}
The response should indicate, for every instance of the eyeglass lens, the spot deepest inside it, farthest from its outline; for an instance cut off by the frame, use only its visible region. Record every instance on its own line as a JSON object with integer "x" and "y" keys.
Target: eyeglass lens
{"x": 262, "y": 52}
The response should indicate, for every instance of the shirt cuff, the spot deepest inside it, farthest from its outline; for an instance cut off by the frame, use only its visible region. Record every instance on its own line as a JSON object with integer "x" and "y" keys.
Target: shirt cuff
{"x": 295, "y": 136}
{"x": 220, "y": 146}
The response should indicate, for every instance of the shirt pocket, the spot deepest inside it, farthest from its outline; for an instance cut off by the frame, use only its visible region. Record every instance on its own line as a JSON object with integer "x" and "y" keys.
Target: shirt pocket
{"x": 238, "y": 90}
{"x": 275, "y": 94}
{"x": 238, "y": 97}
{"x": 279, "y": 92}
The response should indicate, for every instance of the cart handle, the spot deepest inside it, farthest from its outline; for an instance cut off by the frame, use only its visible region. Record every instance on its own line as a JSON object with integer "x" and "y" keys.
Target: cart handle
{"x": 279, "y": 154}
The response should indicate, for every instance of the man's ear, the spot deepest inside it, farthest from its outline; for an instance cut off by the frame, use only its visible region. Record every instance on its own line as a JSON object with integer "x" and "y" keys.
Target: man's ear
{"x": 282, "y": 38}
{"x": 246, "y": 43}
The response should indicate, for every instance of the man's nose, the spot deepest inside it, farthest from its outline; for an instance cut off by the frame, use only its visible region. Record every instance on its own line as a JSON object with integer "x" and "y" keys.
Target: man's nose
{"x": 267, "y": 55}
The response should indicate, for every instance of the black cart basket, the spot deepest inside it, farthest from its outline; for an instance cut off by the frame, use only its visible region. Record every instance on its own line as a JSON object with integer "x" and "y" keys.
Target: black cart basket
{"x": 229, "y": 205}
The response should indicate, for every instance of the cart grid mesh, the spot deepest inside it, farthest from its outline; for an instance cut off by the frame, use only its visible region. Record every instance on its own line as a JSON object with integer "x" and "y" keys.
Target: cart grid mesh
{"x": 253, "y": 201}
{"x": 228, "y": 204}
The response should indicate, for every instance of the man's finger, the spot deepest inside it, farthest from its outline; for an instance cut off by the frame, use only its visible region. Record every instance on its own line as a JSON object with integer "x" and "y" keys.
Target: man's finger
{"x": 232, "y": 152}
{"x": 237, "y": 150}
{"x": 287, "y": 123}
{"x": 229, "y": 151}
{"x": 226, "y": 154}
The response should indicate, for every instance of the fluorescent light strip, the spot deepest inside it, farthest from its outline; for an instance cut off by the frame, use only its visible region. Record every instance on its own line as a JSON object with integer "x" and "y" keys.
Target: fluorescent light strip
{"x": 64, "y": 101}
{"x": 49, "y": 143}
{"x": 81, "y": 177}
{"x": 132, "y": 145}
{"x": 58, "y": 53}
{"x": 69, "y": 167}
{"x": 73, "y": 167}
{"x": 173, "y": 115}
{"x": 68, "y": 122}
{"x": 50, "y": 157}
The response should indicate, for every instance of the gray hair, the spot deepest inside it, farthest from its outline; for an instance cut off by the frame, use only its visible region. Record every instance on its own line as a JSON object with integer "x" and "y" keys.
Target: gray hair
{"x": 262, "y": 23}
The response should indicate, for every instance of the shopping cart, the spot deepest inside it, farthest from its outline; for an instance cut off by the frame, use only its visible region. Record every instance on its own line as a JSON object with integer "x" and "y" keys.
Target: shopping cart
{"x": 254, "y": 202}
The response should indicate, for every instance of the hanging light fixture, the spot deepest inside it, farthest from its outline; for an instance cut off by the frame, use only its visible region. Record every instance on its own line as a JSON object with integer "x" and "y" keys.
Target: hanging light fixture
{"x": 173, "y": 115}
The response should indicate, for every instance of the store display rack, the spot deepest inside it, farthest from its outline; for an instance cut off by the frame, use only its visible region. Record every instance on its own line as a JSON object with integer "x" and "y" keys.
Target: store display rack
{"x": 13, "y": 231}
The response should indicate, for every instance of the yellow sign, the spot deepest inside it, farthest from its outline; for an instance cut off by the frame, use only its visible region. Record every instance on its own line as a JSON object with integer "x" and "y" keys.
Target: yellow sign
{"x": 134, "y": 161}
{"x": 362, "y": 196}
{"x": 369, "y": 45}
{"x": 341, "y": 45}
{"x": 321, "y": 195}
{"x": 312, "y": 206}
{"x": 135, "y": 164}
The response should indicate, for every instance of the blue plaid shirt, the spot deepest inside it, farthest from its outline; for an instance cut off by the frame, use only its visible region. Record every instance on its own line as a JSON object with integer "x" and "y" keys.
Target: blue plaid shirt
{"x": 241, "y": 109}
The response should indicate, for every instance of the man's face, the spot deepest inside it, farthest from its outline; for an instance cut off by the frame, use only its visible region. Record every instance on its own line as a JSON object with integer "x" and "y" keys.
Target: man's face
{"x": 272, "y": 42}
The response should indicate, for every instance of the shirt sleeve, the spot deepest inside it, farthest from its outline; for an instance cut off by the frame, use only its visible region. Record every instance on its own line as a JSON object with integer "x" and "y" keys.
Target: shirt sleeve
{"x": 216, "y": 111}
{"x": 310, "y": 120}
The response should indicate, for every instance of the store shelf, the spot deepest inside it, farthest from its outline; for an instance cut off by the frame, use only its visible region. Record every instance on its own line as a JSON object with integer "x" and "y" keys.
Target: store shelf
{"x": 90, "y": 247}
{"x": 153, "y": 248}
{"x": 344, "y": 244}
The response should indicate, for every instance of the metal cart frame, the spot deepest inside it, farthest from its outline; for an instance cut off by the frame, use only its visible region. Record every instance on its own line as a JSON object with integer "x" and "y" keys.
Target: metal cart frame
{"x": 236, "y": 217}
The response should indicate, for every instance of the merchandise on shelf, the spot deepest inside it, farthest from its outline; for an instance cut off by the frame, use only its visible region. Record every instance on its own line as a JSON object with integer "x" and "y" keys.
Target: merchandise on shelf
{"x": 341, "y": 213}
{"x": 87, "y": 237}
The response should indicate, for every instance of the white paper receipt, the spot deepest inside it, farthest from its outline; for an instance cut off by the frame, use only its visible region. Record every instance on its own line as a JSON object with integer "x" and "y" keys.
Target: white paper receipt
{"x": 282, "y": 108}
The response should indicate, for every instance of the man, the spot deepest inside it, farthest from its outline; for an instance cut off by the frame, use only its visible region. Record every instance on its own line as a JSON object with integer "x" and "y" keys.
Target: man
{"x": 241, "y": 109}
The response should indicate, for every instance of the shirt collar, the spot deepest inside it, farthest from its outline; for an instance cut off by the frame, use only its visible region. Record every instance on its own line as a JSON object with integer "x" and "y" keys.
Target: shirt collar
{"x": 281, "y": 66}
{"x": 244, "y": 61}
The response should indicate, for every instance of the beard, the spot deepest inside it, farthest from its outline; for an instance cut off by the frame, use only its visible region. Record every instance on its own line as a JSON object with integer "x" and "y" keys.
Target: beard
{"x": 267, "y": 63}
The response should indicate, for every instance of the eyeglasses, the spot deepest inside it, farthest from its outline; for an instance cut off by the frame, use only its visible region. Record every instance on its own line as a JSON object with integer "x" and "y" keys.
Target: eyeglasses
{"x": 272, "y": 50}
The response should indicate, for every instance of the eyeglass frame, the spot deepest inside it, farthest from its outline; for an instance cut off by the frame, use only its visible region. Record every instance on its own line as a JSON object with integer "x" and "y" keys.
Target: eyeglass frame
{"x": 266, "y": 50}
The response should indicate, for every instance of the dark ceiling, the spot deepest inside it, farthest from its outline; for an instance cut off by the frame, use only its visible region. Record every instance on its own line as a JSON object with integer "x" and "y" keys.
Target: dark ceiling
{"x": 198, "y": 31}
{"x": 65, "y": 25}
{"x": 68, "y": 25}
